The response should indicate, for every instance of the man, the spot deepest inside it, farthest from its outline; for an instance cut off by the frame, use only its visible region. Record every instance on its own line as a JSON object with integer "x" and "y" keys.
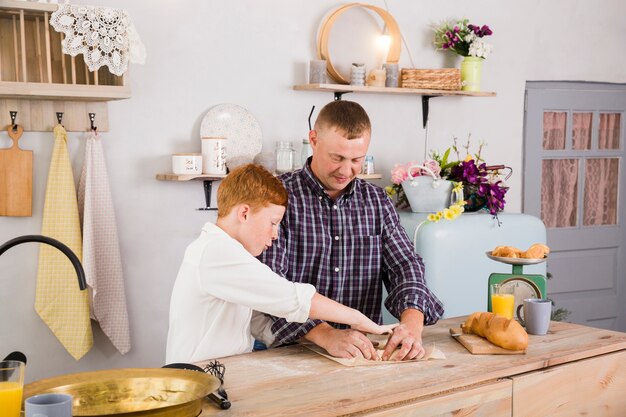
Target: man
{"x": 343, "y": 235}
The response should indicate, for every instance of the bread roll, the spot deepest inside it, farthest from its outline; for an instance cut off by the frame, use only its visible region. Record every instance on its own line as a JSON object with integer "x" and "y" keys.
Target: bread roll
{"x": 503, "y": 332}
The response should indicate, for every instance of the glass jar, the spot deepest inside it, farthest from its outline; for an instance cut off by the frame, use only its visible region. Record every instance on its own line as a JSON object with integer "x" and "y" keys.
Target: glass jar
{"x": 368, "y": 166}
{"x": 285, "y": 156}
{"x": 306, "y": 151}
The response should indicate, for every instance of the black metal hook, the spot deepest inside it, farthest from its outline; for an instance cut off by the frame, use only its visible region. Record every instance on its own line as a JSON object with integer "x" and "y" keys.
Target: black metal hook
{"x": 59, "y": 116}
{"x": 13, "y": 115}
{"x": 92, "y": 118}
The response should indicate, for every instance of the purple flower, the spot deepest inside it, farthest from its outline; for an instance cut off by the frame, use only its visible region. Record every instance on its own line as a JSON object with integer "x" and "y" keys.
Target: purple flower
{"x": 475, "y": 178}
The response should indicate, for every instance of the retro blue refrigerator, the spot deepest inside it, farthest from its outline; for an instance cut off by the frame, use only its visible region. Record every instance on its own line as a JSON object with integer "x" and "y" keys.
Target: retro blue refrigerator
{"x": 457, "y": 268}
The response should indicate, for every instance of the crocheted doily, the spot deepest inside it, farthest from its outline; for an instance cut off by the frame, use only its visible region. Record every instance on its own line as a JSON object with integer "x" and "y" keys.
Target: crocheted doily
{"x": 105, "y": 36}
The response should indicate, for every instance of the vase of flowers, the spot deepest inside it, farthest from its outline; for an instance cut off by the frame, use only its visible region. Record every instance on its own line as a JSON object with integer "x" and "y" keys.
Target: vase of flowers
{"x": 465, "y": 39}
{"x": 480, "y": 184}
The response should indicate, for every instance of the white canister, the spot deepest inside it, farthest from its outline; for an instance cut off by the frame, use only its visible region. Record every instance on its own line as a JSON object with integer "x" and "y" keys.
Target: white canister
{"x": 214, "y": 155}
{"x": 187, "y": 163}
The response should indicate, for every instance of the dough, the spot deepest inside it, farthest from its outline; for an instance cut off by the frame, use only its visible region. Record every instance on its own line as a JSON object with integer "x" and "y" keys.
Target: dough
{"x": 380, "y": 341}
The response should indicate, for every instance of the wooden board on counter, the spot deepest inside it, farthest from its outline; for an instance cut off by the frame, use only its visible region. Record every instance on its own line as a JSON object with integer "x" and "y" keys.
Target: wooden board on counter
{"x": 477, "y": 345}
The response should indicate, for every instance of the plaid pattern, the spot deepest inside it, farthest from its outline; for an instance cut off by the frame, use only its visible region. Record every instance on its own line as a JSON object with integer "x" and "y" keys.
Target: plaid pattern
{"x": 347, "y": 248}
{"x": 58, "y": 300}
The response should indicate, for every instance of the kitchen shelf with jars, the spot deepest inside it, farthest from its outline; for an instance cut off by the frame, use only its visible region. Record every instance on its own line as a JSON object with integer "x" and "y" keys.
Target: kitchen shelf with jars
{"x": 340, "y": 89}
{"x": 209, "y": 178}
{"x": 460, "y": 37}
{"x": 46, "y": 66}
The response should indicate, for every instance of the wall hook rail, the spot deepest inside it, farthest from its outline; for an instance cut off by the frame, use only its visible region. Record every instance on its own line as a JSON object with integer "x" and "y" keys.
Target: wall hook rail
{"x": 59, "y": 116}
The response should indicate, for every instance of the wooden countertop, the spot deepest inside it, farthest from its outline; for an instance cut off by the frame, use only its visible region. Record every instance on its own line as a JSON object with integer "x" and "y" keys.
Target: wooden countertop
{"x": 293, "y": 380}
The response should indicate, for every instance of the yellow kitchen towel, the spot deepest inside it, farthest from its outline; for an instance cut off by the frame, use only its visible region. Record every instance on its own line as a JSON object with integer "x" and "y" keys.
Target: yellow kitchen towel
{"x": 58, "y": 300}
{"x": 101, "y": 251}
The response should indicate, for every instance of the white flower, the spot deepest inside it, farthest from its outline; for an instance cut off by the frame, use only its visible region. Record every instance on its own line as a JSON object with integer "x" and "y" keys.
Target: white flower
{"x": 479, "y": 48}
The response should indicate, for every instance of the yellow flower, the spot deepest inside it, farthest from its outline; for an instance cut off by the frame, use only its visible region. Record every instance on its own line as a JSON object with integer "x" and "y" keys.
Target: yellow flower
{"x": 449, "y": 214}
{"x": 433, "y": 217}
{"x": 456, "y": 209}
{"x": 390, "y": 190}
{"x": 468, "y": 158}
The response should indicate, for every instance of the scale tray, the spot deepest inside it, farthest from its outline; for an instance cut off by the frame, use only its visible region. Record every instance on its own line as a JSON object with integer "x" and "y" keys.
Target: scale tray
{"x": 516, "y": 261}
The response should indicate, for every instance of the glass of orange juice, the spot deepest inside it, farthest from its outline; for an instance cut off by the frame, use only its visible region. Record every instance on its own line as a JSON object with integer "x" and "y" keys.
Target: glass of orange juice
{"x": 502, "y": 300}
{"x": 11, "y": 385}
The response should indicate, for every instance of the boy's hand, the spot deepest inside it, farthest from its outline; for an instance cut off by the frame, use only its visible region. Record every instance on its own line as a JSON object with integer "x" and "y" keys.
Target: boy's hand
{"x": 368, "y": 326}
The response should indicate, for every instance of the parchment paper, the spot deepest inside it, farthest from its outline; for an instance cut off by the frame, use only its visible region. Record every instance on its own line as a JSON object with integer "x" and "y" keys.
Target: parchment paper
{"x": 432, "y": 352}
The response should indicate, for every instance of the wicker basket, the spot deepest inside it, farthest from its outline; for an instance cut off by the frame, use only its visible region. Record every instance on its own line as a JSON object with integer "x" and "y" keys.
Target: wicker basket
{"x": 431, "y": 79}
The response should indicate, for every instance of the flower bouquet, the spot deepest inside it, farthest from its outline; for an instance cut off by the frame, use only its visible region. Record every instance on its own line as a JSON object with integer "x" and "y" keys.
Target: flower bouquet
{"x": 466, "y": 40}
{"x": 481, "y": 184}
{"x": 463, "y": 38}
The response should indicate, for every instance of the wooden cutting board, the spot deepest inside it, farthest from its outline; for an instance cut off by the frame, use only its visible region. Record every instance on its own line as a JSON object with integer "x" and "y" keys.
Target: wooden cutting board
{"x": 16, "y": 177}
{"x": 480, "y": 346}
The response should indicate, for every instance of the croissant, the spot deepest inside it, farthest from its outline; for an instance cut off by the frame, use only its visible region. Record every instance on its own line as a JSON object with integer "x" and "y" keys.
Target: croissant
{"x": 503, "y": 332}
{"x": 536, "y": 251}
{"x": 506, "y": 252}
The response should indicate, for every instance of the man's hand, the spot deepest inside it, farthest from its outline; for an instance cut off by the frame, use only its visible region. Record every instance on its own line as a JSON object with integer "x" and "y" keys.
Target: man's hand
{"x": 408, "y": 335}
{"x": 342, "y": 343}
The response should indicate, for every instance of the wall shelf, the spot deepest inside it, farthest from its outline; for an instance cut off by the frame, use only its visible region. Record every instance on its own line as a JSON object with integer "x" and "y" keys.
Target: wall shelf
{"x": 33, "y": 66}
{"x": 340, "y": 89}
{"x": 209, "y": 178}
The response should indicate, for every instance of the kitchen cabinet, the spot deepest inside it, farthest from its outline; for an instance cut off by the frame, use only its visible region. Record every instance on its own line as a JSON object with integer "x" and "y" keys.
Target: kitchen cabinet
{"x": 573, "y": 370}
{"x": 340, "y": 89}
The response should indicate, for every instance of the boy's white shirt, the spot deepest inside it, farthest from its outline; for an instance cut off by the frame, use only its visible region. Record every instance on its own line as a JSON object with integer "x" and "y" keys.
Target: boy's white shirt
{"x": 218, "y": 285}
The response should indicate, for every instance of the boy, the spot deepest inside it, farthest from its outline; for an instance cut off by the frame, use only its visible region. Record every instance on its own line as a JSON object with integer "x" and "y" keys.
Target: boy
{"x": 220, "y": 281}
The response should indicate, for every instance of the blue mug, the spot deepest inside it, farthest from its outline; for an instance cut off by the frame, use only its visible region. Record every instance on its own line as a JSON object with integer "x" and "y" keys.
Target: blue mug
{"x": 48, "y": 405}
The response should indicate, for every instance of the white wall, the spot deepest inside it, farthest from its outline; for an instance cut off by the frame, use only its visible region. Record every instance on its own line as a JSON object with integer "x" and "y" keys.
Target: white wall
{"x": 202, "y": 53}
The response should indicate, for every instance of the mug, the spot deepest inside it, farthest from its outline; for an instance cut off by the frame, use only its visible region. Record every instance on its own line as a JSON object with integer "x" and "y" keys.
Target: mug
{"x": 48, "y": 405}
{"x": 187, "y": 163}
{"x": 536, "y": 317}
{"x": 214, "y": 155}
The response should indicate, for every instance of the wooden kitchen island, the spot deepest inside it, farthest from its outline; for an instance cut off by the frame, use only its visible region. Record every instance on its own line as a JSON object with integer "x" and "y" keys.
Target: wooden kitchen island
{"x": 574, "y": 370}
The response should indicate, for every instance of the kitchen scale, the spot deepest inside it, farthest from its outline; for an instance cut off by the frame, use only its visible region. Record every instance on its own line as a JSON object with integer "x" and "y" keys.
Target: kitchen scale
{"x": 524, "y": 285}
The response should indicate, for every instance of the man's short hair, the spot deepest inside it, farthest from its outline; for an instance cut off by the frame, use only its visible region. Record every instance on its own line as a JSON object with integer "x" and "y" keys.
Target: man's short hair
{"x": 252, "y": 185}
{"x": 346, "y": 116}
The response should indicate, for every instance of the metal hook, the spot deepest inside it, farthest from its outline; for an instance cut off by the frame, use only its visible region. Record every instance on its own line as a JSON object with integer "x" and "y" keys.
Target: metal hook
{"x": 13, "y": 115}
{"x": 59, "y": 116}
{"x": 92, "y": 118}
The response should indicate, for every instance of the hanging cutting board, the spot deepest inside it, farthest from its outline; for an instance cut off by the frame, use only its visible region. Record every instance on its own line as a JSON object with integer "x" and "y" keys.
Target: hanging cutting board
{"x": 477, "y": 345}
{"x": 16, "y": 177}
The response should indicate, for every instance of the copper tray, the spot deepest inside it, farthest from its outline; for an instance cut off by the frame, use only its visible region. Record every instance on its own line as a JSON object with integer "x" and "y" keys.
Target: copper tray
{"x": 131, "y": 391}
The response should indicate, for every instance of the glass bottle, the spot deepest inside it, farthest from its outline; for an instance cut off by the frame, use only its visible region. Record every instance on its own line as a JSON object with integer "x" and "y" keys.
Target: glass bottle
{"x": 368, "y": 166}
{"x": 285, "y": 156}
{"x": 306, "y": 151}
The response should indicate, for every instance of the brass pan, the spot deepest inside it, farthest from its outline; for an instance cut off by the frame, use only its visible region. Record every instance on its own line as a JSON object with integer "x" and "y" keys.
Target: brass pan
{"x": 131, "y": 391}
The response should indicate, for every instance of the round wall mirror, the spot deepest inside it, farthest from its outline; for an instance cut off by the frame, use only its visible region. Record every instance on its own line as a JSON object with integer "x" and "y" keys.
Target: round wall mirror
{"x": 361, "y": 33}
